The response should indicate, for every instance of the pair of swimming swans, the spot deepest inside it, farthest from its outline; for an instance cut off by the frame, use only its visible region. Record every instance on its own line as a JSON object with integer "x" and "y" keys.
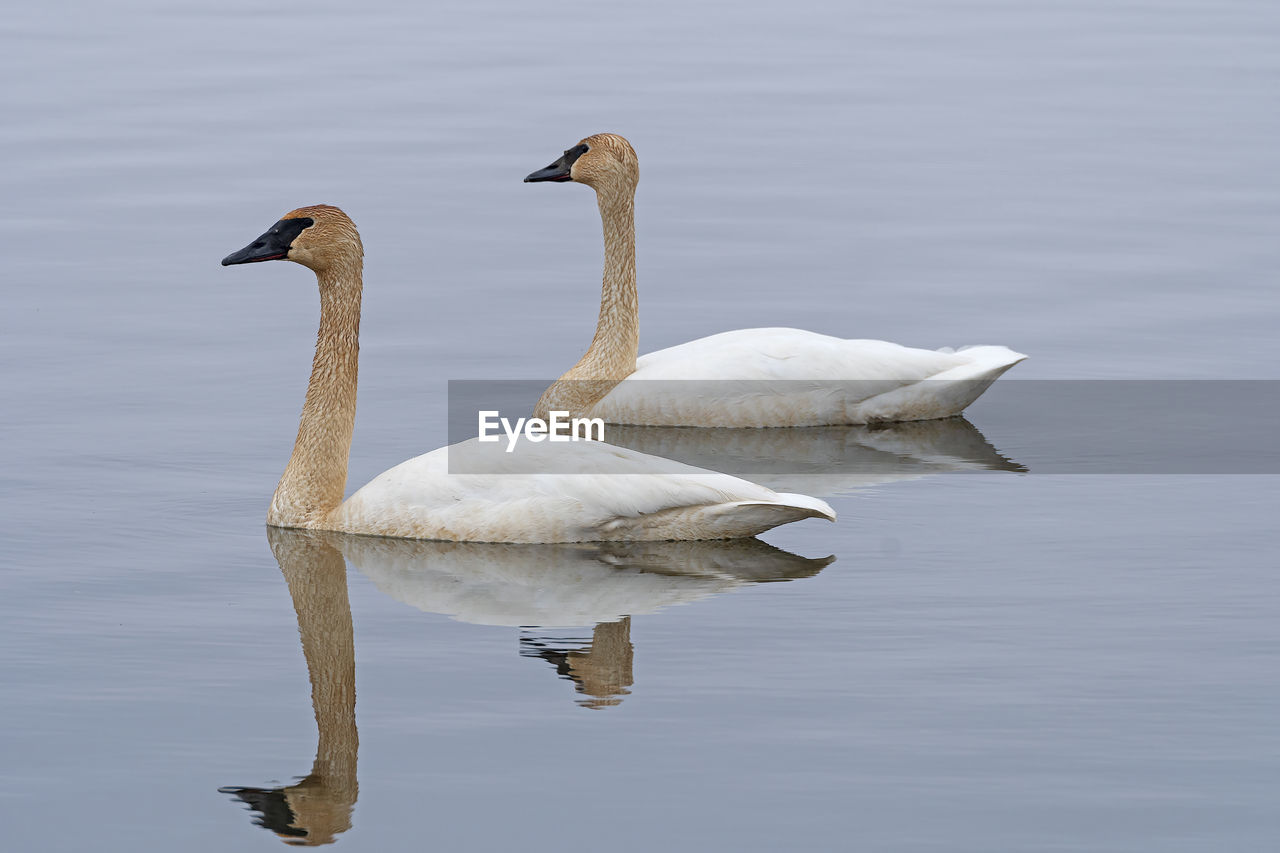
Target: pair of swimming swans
{"x": 588, "y": 499}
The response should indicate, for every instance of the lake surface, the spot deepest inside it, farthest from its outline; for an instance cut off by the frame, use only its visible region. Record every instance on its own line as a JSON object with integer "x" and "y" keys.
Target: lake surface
{"x": 1049, "y": 627}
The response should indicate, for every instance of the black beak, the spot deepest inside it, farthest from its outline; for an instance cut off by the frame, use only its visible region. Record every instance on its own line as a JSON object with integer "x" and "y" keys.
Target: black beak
{"x": 271, "y": 246}
{"x": 557, "y": 172}
{"x": 560, "y": 170}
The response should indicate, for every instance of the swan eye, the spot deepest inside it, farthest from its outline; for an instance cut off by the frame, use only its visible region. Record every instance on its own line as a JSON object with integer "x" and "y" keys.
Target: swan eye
{"x": 572, "y": 154}
{"x": 284, "y": 232}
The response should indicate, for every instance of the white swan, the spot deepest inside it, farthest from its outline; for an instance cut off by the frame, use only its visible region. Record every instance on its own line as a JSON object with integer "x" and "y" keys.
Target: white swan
{"x": 587, "y": 499}
{"x": 745, "y": 378}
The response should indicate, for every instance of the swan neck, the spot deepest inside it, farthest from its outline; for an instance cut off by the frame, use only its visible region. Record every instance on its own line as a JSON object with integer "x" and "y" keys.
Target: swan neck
{"x": 616, "y": 343}
{"x": 314, "y": 481}
{"x": 611, "y": 357}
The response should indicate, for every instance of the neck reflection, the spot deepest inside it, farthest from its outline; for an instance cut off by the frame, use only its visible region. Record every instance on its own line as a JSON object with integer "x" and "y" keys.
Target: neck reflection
{"x": 317, "y": 809}
{"x": 600, "y": 667}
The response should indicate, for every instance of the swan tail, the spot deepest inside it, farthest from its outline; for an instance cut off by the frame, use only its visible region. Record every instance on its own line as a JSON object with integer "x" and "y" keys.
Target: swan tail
{"x": 810, "y": 507}
{"x": 988, "y": 358}
{"x": 942, "y": 395}
{"x": 749, "y": 518}
{"x": 729, "y": 520}
{"x": 966, "y": 382}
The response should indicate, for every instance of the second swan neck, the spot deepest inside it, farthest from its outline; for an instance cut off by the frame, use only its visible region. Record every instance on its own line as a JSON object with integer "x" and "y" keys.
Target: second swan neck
{"x": 617, "y": 339}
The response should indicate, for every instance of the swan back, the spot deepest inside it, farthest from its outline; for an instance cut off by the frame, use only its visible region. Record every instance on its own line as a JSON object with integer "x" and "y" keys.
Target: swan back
{"x": 580, "y": 492}
{"x": 791, "y": 377}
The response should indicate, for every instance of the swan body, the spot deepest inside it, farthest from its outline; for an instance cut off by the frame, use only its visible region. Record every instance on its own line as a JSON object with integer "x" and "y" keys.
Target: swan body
{"x": 772, "y": 377}
{"x": 547, "y": 492}
{"x": 791, "y": 377}
{"x": 597, "y": 492}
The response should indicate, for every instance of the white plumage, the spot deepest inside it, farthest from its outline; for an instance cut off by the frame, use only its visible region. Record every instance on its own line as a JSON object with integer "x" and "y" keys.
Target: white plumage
{"x": 791, "y": 377}
{"x": 579, "y": 492}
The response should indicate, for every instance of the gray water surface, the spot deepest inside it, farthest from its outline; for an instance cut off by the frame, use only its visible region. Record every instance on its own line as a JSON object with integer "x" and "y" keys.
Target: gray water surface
{"x": 1008, "y": 658}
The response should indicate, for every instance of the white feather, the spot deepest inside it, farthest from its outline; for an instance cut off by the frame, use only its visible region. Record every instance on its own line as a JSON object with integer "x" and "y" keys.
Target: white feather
{"x": 563, "y": 492}
{"x": 790, "y": 377}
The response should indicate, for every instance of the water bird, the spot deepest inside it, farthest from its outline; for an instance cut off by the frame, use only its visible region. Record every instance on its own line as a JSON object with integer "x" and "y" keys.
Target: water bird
{"x": 770, "y": 377}
{"x": 591, "y": 496}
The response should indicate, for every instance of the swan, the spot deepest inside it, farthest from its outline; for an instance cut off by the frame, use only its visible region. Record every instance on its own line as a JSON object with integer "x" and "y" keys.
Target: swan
{"x": 516, "y": 499}
{"x": 774, "y": 377}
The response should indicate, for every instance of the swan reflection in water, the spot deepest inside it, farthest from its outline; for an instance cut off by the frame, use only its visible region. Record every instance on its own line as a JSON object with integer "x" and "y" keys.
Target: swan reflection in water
{"x": 545, "y": 587}
{"x": 317, "y": 808}
{"x": 826, "y": 460}
{"x": 548, "y": 586}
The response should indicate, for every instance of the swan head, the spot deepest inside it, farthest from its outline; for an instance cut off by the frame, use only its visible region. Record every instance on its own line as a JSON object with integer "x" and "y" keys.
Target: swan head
{"x": 599, "y": 161}
{"x": 318, "y": 236}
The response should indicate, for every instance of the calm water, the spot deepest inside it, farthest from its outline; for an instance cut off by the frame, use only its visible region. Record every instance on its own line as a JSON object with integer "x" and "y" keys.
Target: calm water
{"x": 1013, "y": 659}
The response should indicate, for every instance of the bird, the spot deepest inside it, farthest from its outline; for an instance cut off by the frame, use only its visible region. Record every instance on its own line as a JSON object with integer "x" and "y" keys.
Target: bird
{"x": 474, "y": 491}
{"x": 768, "y": 377}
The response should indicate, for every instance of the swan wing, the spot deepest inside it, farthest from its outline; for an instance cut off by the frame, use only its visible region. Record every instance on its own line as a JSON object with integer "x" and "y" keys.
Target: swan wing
{"x": 563, "y": 492}
{"x": 790, "y": 377}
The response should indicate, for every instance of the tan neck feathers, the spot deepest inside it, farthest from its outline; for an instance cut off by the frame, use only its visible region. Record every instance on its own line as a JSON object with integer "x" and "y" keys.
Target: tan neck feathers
{"x": 617, "y": 339}
{"x": 314, "y": 481}
{"x": 616, "y": 344}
